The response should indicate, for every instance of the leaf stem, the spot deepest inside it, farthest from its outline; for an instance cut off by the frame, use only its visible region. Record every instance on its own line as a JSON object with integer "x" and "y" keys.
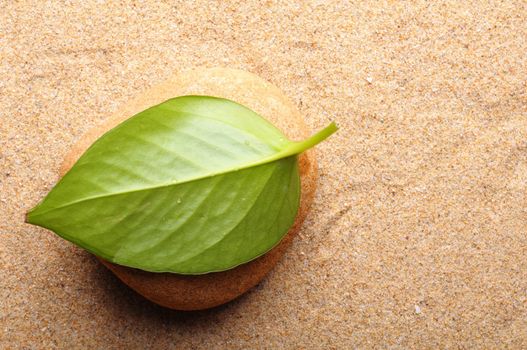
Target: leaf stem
{"x": 300, "y": 146}
{"x": 320, "y": 136}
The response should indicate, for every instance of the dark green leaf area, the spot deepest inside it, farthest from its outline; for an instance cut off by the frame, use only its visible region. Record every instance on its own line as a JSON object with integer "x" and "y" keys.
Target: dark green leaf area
{"x": 207, "y": 225}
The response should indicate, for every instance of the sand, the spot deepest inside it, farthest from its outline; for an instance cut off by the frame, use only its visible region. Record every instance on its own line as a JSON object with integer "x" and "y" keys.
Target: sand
{"x": 417, "y": 237}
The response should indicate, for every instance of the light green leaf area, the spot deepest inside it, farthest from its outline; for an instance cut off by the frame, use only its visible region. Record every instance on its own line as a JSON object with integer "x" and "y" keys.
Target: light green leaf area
{"x": 196, "y": 184}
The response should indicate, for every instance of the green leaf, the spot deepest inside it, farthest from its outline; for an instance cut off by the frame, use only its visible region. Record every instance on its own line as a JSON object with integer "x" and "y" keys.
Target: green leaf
{"x": 193, "y": 185}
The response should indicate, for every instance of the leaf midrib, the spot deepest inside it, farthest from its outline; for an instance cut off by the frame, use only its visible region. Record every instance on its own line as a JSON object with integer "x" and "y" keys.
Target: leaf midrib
{"x": 293, "y": 148}
{"x": 197, "y": 178}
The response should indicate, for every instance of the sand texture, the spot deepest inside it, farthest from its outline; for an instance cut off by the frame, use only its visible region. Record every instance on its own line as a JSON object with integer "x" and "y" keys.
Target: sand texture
{"x": 417, "y": 237}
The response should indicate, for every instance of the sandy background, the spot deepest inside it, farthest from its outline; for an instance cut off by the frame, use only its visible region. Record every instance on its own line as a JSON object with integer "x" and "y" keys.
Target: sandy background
{"x": 418, "y": 235}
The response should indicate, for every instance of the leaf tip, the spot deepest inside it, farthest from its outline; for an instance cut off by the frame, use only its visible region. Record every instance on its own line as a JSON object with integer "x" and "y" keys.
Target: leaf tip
{"x": 28, "y": 218}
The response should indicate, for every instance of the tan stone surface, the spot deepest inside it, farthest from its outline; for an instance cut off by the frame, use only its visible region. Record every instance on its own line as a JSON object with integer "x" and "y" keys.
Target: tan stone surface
{"x": 200, "y": 292}
{"x": 417, "y": 237}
